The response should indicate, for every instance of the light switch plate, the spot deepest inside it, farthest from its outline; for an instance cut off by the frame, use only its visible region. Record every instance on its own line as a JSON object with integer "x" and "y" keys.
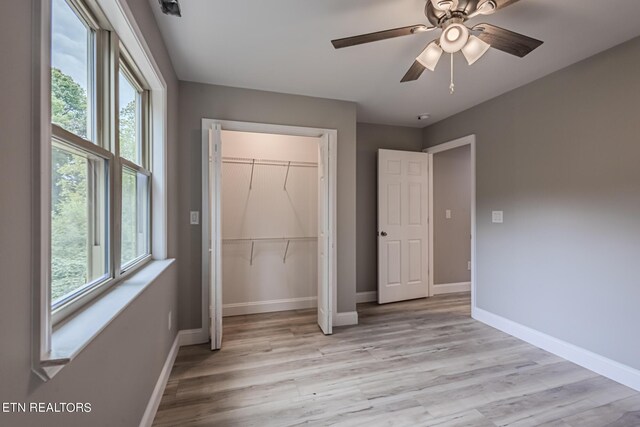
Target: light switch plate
{"x": 497, "y": 217}
{"x": 447, "y": 214}
{"x": 195, "y": 217}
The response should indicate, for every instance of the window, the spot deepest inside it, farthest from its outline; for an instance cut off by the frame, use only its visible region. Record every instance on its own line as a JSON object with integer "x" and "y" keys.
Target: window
{"x": 100, "y": 178}
{"x": 72, "y": 71}
{"x": 135, "y": 216}
{"x": 78, "y": 221}
{"x": 135, "y": 177}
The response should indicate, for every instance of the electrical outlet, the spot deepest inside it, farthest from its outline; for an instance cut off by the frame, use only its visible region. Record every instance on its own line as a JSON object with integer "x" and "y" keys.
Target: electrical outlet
{"x": 169, "y": 321}
{"x": 447, "y": 214}
{"x": 469, "y": 265}
{"x": 497, "y": 217}
{"x": 195, "y": 217}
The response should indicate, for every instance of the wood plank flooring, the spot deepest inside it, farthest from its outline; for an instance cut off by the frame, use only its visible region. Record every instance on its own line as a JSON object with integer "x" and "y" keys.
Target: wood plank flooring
{"x": 415, "y": 363}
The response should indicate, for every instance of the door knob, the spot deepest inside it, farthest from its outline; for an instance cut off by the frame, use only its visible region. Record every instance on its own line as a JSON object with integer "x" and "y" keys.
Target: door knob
{"x": 383, "y": 233}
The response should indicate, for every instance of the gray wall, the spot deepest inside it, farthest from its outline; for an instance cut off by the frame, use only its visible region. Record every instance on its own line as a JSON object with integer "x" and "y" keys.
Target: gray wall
{"x": 561, "y": 157}
{"x": 370, "y": 138}
{"x": 452, "y": 237}
{"x": 117, "y": 371}
{"x": 199, "y": 101}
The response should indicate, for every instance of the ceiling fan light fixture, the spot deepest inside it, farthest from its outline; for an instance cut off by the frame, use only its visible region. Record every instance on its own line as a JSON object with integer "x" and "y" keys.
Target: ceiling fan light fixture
{"x": 430, "y": 56}
{"x": 445, "y": 5}
{"x": 454, "y": 37}
{"x": 474, "y": 49}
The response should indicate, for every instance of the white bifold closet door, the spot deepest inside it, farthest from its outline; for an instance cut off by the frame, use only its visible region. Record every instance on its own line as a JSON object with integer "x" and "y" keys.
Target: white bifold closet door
{"x": 324, "y": 288}
{"x": 215, "y": 233}
{"x": 403, "y": 258}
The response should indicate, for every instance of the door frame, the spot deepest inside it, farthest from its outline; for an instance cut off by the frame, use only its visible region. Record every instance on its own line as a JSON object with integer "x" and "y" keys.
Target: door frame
{"x": 238, "y": 126}
{"x": 460, "y": 142}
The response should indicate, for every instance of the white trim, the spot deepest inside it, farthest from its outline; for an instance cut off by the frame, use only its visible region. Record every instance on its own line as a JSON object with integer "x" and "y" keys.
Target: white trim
{"x": 345, "y": 319}
{"x": 333, "y": 173}
{"x": 40, "y": 185}
{"x": 158, "y": 390}
{"x": 460, "y": 142}
{"x": 430, "y": 222}
{"x": 193, "y": 336}
{"x": 448, "y": 288}
{"x": 471, "y": 141}
{"x": 254, "y": 307}
{"x": 611, "y": 369}
{"x": 368, "y": 296}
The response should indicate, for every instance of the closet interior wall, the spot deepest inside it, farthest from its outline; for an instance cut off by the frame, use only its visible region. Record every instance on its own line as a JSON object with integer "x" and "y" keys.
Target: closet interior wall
{"x": 269, "y": 222}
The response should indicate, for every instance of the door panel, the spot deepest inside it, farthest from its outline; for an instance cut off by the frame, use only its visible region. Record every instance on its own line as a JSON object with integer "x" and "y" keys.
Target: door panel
{"x": 403, "y": 268}
{"x": 415, "y": 261}
{"x": 394, "y": 249}
{"x": 415, "y": 204}
{"x": 394, "y": 205}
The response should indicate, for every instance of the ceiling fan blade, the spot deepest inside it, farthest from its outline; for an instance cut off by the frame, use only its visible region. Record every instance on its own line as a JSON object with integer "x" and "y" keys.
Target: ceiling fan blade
{"x": 379, "y": 35}
{"x": 414, "y": 72}
{"x": 500, "y": 4}
{"x": 506, "y": 41}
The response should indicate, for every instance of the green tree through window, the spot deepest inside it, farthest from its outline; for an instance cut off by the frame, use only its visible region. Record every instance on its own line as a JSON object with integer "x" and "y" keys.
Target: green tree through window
{"x": 69, "y": 214}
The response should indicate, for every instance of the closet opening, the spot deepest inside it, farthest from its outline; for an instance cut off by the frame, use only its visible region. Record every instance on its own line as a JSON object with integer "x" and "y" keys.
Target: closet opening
{"x": 268, "y": 221}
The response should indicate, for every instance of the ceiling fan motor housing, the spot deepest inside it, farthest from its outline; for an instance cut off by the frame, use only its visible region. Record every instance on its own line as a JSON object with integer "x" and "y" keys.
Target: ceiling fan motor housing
{"x": 440, "y": 16}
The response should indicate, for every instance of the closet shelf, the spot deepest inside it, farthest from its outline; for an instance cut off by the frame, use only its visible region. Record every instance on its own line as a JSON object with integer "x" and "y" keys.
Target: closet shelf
{"x": 265, "y": 162}
{"x": 270, "y": 239}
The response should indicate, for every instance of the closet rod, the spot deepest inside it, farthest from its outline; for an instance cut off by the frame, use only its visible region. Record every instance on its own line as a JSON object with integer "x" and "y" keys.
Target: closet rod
{"x": 266, "y": 162}
{"x": 266, "y": 239}
{"x": 270, "y": 239}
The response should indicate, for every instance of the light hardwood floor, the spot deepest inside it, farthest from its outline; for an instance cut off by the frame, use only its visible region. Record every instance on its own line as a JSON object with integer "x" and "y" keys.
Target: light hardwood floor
{"x": 416, "y": 363}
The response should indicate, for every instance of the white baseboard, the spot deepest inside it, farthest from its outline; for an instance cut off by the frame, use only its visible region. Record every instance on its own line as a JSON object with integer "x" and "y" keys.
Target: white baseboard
{"x": 268, "y": 306}
{"x": 370, "y": 296}
{"x": 192, "y": 337}
{"x": 158, "y": 390}
{"x": 448, "y": 288}
{"x": 345, "y": 319}
{"x": 611, "y": 369}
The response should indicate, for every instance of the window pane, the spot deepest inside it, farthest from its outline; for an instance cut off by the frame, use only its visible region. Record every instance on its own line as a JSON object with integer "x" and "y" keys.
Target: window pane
{"x": 78, "y": 218}
{"x": 130, "y": 138}
{"x": 135, "y": 216}
{"x": 71, "y": 71}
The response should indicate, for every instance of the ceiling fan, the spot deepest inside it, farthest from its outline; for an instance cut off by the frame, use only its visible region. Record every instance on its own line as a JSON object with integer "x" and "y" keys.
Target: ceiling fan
{"x": 450, "y": 16}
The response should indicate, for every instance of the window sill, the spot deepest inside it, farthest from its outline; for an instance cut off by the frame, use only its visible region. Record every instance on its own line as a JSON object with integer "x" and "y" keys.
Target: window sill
{"x": 74, "y": 334}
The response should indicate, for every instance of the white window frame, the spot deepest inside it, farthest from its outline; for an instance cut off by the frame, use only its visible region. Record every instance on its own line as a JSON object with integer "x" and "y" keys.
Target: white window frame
{"x": 110, "y": 56}
{"x": 128, "y": 68}
{"x": 119, "y": 27}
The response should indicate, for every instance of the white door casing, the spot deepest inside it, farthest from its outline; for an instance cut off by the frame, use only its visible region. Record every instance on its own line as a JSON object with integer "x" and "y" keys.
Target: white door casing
{"x": 403, "y": 258}
{"x": 324, "y": 289}
{"x": 211, "y": 224}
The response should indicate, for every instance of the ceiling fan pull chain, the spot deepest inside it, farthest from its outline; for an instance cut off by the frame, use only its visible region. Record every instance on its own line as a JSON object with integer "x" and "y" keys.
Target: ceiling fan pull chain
{"x": 452, "y": 87}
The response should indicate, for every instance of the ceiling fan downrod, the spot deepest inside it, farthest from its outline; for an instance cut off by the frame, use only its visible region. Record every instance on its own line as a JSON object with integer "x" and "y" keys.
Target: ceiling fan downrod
{"x": 452, "y": 86}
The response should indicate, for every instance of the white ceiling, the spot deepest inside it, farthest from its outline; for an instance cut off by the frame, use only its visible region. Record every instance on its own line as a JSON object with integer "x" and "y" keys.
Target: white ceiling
{"x": 284, "y": 46}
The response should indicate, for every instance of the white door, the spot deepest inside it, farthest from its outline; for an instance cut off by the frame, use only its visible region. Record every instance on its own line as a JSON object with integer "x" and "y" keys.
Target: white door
{"x": 324, "y": 284}
{"x": 403, "y": 267}
{"x": 215, "y": 262}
